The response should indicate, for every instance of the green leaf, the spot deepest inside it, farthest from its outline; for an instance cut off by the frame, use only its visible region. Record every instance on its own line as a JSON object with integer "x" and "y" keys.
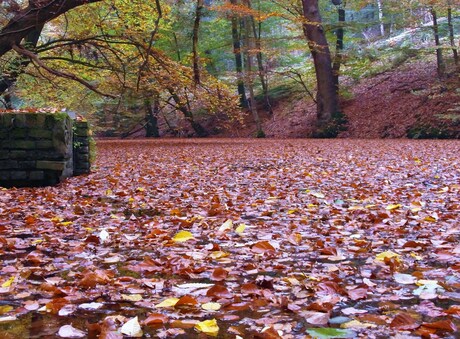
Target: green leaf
{"x": 326, "y": 333}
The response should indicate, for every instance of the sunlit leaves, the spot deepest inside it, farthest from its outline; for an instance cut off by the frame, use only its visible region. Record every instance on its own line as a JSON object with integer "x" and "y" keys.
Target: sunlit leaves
{"x": 183, "y": 236}
{"x": 209, "y": 327}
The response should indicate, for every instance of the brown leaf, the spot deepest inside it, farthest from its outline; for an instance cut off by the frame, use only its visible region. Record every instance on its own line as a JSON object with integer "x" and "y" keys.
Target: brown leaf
{"x": 443, "y": 325}
{"x": 403, "y": 321}
{"x": 249, "y": 289}
{"x": 358, "y": 293}
{"x": 219, "y": 274}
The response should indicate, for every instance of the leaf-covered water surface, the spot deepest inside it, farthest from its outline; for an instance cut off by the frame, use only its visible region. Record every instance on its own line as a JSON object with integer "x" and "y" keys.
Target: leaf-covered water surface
{"x": 238, "y": 239}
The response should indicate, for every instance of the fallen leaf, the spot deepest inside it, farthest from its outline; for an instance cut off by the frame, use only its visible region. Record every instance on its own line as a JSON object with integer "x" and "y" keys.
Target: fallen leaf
{"x": 170, "y": 302}
{"x": 68, "y": 331}
{"x": 208, "y": 327}
{"x": 183, "y": 236}
{"x": 132, "y": 328}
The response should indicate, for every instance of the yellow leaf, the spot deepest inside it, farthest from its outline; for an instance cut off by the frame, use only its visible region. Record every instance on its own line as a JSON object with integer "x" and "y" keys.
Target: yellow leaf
{"x": 6, "y": 308}
{"x": 392, "y": 207}
{"x": 219, "y": 254}
{"x": 8, "y": 282}
{"x": 131, "y": 297}
{"x": 416, "y": 256}
{"x": 140, "y": 189}
{"x": 292, "y": 211}
{"x": 38, "y": 241}
{"x": 170, "y": 302}
{"x": 430, "y": 219}
{"x": 211, "y": 306}
{"x": 226, "y": 226}
{"x": 132, "y": 328}
{"x": 182, "y": 236}
{"x": 357, "y": 324}
{"x": 240, "y": 229}
{"x": 208, "y": 327}
{"x": 386, "y": 254}
{"x": 108, "y": 192}
{"x": 66, "y": 223}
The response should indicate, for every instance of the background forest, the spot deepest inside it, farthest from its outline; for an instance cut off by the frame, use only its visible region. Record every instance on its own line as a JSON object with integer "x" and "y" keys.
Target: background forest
{"x": 237, "y": 68}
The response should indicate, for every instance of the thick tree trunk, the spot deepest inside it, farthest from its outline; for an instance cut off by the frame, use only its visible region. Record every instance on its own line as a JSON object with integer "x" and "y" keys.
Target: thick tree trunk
{"x": 439, "y": 58}
{"x": 199, "y": 130}
{"x": 151, "y": 117}
{"x": 451, "y": 35}
{"x": 238, "y": 59}
{"x": 31, "y": 18}
{"x": 338, "y": 49}
{"x": 326, "y": 97}
{"x": 196, "y": 28}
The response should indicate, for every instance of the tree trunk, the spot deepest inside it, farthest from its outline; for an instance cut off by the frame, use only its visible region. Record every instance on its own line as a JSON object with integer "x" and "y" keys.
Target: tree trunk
{"x": 151, "y": 117}
{"x": 196, "y": 28}
{"x": 31, "y": 18}
{"x": 249, "y": 81}
{"x": 382, "y": 25}
{"x": 238, "y": 59}
{"x": 338, "y": 49}
{"x": 260, "y": 65}
{"x": 439, "y": 58}
{"x": 327, "y": 105}
{"x": 199, "y": 130}
{"x": 451, "y": 34}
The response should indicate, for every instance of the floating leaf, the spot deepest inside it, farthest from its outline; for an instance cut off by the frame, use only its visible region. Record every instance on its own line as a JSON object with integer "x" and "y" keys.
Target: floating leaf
{"x": 386, "y": 255}
{"x": 5, "y": 309}
{"x": 317, "y": 195}
{"x": 132, "y": 328}
{"x": 404, "y": 321}
{"x": 131, "y": 297}
{"x": 183, "y": 236}
{"x": 208, "y": 327}
{"x": 240, "y": 229}
{"x": 68, "y": 331}
{"x": 155, "y": 319}
{"x": 405, "y": 279}
{"x": 211, "y": 306}
{"x": 9, "y": 282}
{"x": 170, "y": 302}
{"x": 262, "y": 247}
{"x": 226, "y": 226}
{"x": 392, "y": 207}
{"x": 326, "y": 333}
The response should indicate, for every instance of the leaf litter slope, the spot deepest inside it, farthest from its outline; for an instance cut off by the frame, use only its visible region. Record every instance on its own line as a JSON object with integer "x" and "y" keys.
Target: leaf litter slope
{"x": 285, "y": 238}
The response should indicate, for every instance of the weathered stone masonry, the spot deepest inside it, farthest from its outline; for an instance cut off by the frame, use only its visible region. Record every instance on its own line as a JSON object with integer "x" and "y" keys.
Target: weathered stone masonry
{"x": 38, "y": 149}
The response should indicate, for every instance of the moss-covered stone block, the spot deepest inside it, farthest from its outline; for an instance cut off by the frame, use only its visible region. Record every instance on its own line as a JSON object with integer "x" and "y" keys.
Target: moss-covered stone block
{"x": 36, "y": 175}
{"x": 51, "y": 165}
{"x": 4, "y": 133}
{"x": 21, "y": 144}
{"x": 18, "y": 133}
{"x": 40, "y": 133}
{"x": 18, "y": 154}
{"x": 8, "y": 164}
{"x": 35, "y": 120}
{"x": 44, "y": 144}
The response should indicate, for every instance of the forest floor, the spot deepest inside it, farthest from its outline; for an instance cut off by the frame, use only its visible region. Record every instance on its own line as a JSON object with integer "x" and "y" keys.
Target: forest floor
{"x": 386, "y": 105}
{"x": 238, "y": 238}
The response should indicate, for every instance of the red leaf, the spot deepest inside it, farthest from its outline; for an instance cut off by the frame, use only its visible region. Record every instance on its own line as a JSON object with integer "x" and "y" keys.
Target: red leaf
{"x": 219, "y": 274}
{"x": 262, "y": 247}
{"x": 219, "y": 291}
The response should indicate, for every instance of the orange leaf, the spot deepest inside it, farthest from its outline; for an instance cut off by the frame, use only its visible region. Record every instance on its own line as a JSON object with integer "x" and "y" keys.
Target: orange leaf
{"x": 219, "y": 274}
{"x": 155, "y": 319}
{"x": 249, "y": 289}
{"x": 186, "y": 300}
{"x": 403, "y": 321}
{"x": 262, "y": 247}
{"x": 219, "y": 291}
{"x": 444, "y": 325}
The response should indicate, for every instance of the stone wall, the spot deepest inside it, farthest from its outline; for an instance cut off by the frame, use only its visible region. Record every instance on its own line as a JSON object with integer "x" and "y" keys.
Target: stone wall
{"x": 37, "y": 149}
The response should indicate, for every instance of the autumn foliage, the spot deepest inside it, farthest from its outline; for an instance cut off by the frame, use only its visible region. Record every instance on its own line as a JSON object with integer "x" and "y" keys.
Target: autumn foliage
{"x": 285, "y": 239}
